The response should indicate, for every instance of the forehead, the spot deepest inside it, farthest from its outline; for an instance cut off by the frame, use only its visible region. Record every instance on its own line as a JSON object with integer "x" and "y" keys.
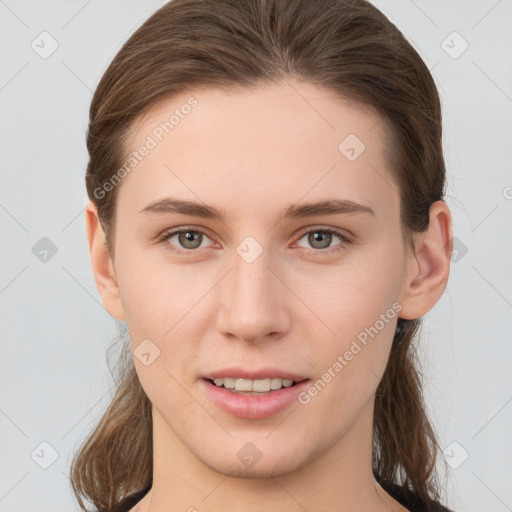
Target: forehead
{"x": 280, "y": 141}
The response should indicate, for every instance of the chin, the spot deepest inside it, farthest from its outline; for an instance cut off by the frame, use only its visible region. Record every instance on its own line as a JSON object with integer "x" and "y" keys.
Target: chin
{"x": 260, "y": 470}
{"x": 245, "y": 460}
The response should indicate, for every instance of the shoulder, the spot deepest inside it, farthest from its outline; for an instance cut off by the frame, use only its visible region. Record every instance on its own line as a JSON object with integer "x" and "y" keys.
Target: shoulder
{"x": 410, "y": 499}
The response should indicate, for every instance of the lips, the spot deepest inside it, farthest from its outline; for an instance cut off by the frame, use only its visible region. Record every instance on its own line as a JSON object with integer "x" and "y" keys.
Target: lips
{"x": 253, "y": 405}
{"x": 253, "y": 393}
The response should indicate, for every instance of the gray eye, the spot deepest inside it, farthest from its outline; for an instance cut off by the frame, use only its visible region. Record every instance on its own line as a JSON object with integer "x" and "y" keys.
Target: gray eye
{"x": 189, "y": 239}
{"x": 323, "y": 239}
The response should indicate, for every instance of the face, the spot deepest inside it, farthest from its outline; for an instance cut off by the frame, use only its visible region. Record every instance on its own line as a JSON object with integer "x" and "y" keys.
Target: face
{"x": 268, "y": 287}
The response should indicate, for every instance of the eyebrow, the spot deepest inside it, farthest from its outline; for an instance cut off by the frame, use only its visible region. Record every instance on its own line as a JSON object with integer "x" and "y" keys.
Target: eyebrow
{"x": 170, "y": 205}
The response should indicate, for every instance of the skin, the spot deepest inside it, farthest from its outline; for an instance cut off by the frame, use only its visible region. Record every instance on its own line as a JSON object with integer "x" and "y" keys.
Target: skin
{"x": 251, "y": 154}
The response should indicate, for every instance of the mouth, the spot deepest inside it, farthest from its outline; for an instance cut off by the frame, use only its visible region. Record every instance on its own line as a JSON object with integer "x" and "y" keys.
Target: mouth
{"x": 253, "y": 386}
{"x": 253, "y": 398}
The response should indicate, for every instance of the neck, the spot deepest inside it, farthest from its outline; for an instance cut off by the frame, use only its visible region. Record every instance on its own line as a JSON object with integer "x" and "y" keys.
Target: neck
{"x": 337, "y": 478}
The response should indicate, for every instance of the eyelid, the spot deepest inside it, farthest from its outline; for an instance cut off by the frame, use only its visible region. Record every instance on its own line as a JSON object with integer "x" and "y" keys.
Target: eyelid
{"x": 343, "y": 233}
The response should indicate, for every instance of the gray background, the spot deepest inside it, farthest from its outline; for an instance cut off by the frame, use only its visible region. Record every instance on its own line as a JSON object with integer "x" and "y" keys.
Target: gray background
{"x": 54, "y": 376}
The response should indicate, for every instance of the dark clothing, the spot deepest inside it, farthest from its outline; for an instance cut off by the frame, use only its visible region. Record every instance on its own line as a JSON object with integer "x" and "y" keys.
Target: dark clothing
{"x": 405, "y": 497}
{"x": 409, "y": 499}
{"x": 130, "y": 501}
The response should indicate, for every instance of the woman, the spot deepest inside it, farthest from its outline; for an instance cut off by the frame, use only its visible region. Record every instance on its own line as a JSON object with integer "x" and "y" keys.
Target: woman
{"x": 266, "y": 214}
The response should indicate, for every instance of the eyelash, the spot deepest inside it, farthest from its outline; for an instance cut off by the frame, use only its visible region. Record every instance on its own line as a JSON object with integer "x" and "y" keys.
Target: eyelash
{"x": 186, "y": 252}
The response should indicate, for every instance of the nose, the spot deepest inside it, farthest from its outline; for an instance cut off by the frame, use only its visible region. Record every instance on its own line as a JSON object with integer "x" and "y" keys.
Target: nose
{"x": 254, "y": 301}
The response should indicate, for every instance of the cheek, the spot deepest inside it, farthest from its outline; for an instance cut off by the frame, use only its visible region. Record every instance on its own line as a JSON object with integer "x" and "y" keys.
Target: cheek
{"x": 347, "y": 298}
{"x": 155, "y": 293}
{"x": 167, "y": 307}
{"x": 162, "y": 308}
{"x": 354, "y": 311}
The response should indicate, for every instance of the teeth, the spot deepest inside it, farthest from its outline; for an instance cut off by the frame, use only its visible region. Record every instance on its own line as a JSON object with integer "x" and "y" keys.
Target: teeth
{"x": 258, "y": 385}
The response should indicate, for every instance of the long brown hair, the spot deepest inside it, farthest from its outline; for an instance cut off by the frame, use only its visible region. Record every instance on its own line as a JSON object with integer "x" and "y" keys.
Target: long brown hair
{"x": 345, "y": 46}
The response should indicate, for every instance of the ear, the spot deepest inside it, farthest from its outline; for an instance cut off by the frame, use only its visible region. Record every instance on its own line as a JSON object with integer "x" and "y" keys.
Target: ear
{"x": 102, "y": 265}
{"x": 429, "y": 264}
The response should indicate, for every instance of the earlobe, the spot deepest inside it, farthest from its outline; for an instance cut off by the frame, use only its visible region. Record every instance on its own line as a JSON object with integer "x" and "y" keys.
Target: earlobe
{"x": 102, "y": 265}
{"x": 431, "y": 266}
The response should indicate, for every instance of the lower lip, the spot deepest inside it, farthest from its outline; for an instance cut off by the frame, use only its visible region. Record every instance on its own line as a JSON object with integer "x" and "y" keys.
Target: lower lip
{"x": 253, "y": 407}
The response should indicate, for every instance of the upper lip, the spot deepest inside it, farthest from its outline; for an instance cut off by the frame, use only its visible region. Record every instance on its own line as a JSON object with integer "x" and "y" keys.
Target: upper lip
{"x": 262, "y": 373}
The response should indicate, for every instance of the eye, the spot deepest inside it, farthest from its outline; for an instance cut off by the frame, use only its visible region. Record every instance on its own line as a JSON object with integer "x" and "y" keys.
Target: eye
{"x": 320, "y": 240}
{"x": 187, "y": 240}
